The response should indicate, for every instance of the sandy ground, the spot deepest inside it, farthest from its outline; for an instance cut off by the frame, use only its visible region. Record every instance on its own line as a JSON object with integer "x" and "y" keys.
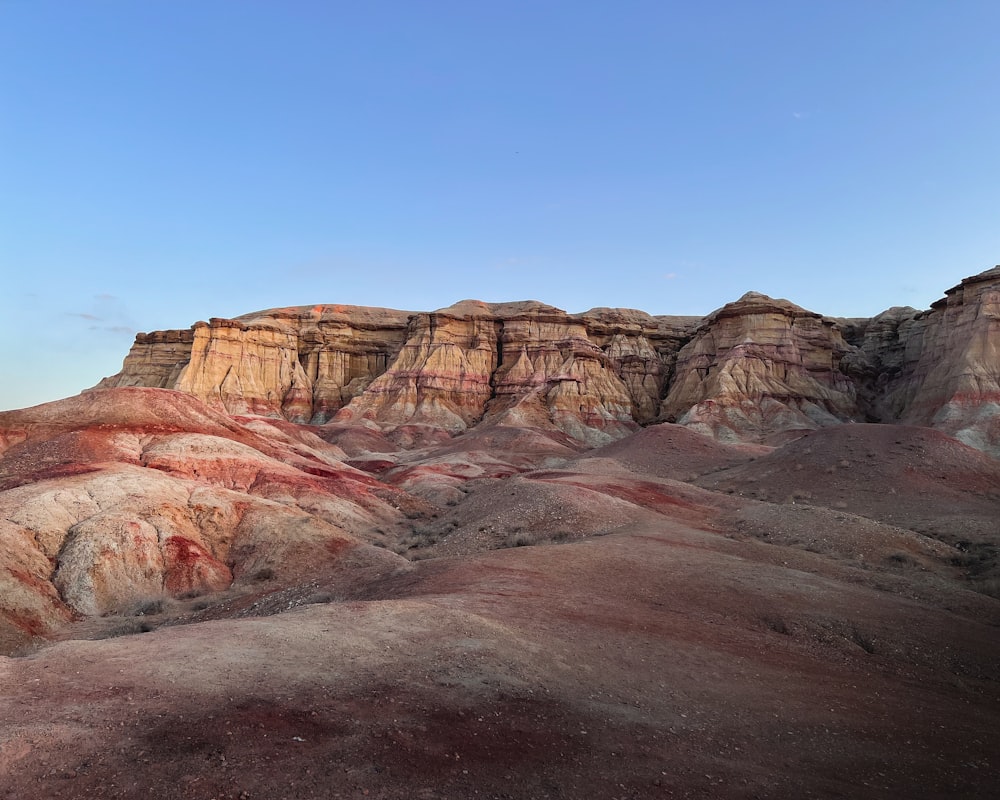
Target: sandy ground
{"x": 634, "y": 637}
{"x": 663, "y": 661}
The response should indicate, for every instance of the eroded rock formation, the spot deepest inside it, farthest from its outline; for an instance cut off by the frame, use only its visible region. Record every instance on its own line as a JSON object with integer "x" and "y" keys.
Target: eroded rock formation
{"x": 756, "y": 369}
{"x": 950, "y": 375}
{"x": 300, "y": 363}
{"x": 127, "y": 496}
{"x": 592, "y": 375}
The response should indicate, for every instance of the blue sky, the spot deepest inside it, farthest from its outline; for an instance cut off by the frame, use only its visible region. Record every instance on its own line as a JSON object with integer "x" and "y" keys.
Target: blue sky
{"x": 166, "y": 161}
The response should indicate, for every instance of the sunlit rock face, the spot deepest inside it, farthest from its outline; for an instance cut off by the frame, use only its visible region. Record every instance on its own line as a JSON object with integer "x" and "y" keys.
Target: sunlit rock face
{"x": 552, "y": 369}
{"x": 303, "y": 364}
{"x": 642, "y": 351}
{"x": 118, "y": 498}
{"x": 759, "y": 367}
{"x": 592, "y": 375}
{"x": 441, "y": 375}
{"x": 756, "y": 369}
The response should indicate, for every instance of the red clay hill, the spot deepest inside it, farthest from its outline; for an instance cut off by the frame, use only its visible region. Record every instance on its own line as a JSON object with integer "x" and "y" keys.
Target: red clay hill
{"x": 502, "y": 551}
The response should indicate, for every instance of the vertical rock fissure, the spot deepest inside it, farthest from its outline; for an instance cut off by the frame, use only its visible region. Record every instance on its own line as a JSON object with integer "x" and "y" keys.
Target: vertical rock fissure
{"x": 499, "y": 330}
{"x": 670, "y": 372}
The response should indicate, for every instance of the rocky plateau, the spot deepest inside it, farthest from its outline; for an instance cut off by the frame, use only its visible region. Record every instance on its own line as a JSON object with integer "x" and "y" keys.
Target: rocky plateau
{"x": 503, "y": 551}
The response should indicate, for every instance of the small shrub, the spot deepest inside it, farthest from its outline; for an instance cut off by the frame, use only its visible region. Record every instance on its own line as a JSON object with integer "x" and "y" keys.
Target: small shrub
{"x": 866, "y": 643}
{"x": 989, "y": 586}
{"x": 148, "y": 608}
{"x": 776, "y": 624}
{"x": 264, "y": 574}
{"x": 125, "y": 629}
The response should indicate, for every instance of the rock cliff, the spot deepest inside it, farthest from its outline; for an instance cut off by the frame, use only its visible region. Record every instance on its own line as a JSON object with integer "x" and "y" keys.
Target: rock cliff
{"x": 938, "y": 368}
{"x": 754, "y": 370}
{"x": 592, "y": 375}
{"x": 759, "y": 367}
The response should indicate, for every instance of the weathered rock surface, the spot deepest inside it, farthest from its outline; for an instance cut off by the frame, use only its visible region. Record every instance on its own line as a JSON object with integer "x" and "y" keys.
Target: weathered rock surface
{"x": 395, "y": 570}
{"x": 121, "y": 497}
{"x": 551, "y": 369}
{"x": 952, "y": 379}
{"x": 441, "y": 375}
{"x": 592, "y": 375}
{"x": 642, "y": 350}
{"x": 758, "y": 369}
{"x": 300, "y": 363}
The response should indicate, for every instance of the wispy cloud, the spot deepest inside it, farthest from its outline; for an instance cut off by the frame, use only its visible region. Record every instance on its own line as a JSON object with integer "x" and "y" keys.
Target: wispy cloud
{"x": 109, "y": 315}
{"x": 118, "y": 330}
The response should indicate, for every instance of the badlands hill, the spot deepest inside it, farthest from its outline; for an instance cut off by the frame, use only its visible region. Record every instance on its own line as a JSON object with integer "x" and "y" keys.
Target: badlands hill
{"x": 503, "y": 551}
{"x": 754, "y": 370}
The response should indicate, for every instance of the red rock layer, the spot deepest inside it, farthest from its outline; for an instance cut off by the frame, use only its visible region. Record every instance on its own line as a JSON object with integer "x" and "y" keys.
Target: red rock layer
{"x": 591, "y": 375}
{"x": 755, "y": 369}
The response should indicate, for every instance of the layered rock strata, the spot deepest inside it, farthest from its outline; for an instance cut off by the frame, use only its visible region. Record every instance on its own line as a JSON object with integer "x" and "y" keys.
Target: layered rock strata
{"x": 592, "y": 375}
{"x": 122, "y": 497}
{"x": 299, "y": 363}
{"x": 756, "y": 369}
{"x": 759, "y": 367}
{"x": 941, "y": 367}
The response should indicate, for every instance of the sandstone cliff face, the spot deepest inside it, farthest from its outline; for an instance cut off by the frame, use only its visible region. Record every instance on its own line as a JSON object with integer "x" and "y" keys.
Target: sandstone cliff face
{"x": 591, "y": 375}
{"x": 642, "y": 351}
{"x": 949, "y": 377}
{"x": 441, "y": 376}
{"x": 248, "y": 368}
{"x": 754, "y": 369}
{"x": 342, "y": 349}
{"x": 521, "y": 362}
{"x": 551, "y": 368}
{"x": 758, "y": 367}
{"x": 300, "y": 363}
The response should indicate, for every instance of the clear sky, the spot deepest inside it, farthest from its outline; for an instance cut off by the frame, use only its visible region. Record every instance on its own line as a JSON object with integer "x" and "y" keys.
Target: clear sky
{"x": 164, "y": 161}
